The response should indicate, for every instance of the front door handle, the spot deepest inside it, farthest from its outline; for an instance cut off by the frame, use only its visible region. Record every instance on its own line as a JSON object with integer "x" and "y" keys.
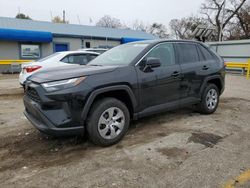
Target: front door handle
{"x": 205, "y": 67}
{"x": 176, "y": 74}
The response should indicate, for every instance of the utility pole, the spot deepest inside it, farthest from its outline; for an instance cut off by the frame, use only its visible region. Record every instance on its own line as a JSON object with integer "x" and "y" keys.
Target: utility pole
{"x": 78, "y": 18}
{"x": 51, "y": 15}
{"x": 64, "y": 16}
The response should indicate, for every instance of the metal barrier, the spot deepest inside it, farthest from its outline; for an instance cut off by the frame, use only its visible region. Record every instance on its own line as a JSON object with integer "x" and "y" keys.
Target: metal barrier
{"x": 15, "y": 67}
{"x": 12, "y": 66}
{"x": 16, "y": 61}
{"x": 243, "y": 66}
{"x": 248, "y": 70}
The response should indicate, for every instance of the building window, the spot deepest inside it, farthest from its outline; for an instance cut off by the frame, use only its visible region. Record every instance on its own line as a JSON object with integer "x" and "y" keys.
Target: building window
{"x": 30, "y": 51}
{"x": 87, "y": 44}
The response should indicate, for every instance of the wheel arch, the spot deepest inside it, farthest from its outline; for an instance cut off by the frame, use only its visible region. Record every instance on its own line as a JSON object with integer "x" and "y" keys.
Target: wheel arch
{"x": 121, "y": 92}
{"x": 217, "y": 80}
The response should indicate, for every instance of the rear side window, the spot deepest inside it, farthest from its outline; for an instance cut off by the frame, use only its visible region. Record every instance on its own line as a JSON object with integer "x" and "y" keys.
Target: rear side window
{"x": 187, "y": 53}
{"x": 80, "y": 59}
{"x": 205, "y": 54}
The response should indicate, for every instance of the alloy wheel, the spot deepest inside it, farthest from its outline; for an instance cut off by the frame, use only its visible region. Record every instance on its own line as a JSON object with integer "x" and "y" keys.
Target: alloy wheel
{"x": 212, "y": 99}
{"x": 111, "y": 123}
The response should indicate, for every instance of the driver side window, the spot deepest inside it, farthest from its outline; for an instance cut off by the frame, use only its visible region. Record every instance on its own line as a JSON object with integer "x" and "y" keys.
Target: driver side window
{"x": 164, "y": 52}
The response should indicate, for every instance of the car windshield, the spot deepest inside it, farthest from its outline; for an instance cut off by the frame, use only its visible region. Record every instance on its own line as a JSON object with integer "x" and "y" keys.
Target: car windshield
{"x": 120, "y": 55}
{"x": 48, "y": 57}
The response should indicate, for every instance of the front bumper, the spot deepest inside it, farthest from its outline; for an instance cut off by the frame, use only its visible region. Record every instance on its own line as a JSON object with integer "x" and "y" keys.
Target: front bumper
{"x": 34, "y": 114}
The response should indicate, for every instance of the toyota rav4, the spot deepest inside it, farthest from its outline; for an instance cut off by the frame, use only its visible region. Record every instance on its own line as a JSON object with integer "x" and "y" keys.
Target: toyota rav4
{"x": 128, "y": 82}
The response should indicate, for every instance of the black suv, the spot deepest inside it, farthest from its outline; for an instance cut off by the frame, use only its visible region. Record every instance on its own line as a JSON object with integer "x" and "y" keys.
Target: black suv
{"x": 127, "y": 82}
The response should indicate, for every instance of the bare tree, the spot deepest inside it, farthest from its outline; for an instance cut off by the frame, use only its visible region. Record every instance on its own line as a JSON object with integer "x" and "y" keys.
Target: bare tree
{"x": 233, "y": 31}
{"x": 23, "y": 16}
{"x": 183, "y": 28}
{"x": 110, "y": 22}
{"x": 158, "y": 30}
{"x": 58, "y": 19}
{"x": 140, "y": 26}
{"x": 243, "y": 21}
{"x": 219, "y": 14}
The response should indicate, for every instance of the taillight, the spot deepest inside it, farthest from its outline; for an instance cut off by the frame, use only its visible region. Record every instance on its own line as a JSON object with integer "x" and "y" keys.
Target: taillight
{"x": 30, "y": 69}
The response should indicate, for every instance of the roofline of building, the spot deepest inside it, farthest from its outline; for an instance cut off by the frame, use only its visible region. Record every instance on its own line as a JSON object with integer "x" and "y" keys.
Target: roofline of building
{"x": 77, "y": 25}
{"x": 48, "y": 22}
{"x": 86, "y": 37}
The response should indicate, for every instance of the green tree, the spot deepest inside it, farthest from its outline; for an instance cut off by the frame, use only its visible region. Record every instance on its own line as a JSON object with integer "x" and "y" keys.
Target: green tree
{"x": 23, "y": 16}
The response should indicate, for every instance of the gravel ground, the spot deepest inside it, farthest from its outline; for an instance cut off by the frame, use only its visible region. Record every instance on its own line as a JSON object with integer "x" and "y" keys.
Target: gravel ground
{"x": 175, "y": 149}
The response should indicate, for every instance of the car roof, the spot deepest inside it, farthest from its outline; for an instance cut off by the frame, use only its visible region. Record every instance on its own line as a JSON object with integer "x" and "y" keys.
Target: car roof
{"x": 79, "y": 52}
{"x": 163, "y": 40}
{"x": 93, "y": 49}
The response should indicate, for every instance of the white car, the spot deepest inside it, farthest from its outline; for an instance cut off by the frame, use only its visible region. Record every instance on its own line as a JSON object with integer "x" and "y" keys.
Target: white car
{"x": 55, "y": 60}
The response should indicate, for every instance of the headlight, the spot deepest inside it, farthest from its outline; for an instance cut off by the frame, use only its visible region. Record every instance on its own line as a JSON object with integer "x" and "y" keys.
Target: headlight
{"x": 62, "y": 84}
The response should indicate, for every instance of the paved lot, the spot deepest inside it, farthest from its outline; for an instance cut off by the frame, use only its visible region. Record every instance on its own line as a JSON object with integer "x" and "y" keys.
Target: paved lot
{"x": 174, "y": 149}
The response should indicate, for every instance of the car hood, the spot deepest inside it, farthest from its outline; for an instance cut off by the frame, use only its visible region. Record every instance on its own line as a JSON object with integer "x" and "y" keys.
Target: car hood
{"x": 66, "y": 72}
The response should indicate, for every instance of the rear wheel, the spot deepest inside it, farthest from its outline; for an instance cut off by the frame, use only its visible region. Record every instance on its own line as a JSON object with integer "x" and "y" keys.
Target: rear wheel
{"x": 210, "y": 100}
{"x": 108, "y": 122}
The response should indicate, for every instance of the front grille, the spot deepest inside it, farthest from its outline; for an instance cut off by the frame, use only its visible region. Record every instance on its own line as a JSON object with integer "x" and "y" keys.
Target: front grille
{"x": 32, "y": 94}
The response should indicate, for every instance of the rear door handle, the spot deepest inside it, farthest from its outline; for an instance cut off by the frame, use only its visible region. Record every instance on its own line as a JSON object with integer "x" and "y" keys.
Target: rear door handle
{"x": 176, "y": 74}
{"x": 205, "y": 67}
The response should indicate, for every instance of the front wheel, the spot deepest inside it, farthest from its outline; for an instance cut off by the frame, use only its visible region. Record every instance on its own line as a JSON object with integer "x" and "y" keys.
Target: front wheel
{"x": 108, "y": 122}
{"x": 210, "y": 100}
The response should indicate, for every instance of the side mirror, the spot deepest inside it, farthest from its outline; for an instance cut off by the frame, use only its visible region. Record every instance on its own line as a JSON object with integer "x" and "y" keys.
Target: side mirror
{"x": 153, "y": 62}
{"x": 150, "y": 63}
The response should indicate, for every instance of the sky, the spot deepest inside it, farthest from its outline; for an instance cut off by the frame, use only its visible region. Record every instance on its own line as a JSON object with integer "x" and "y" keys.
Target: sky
{"x": 83, "y": 11}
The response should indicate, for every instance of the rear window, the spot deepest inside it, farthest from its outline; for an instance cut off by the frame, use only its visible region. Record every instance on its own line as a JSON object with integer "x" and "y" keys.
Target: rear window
{"x": 187, "y": 53}
{"x": 48, "y": 57}
{"x": 98, "y": 51}
{"x": 92, "y": 56}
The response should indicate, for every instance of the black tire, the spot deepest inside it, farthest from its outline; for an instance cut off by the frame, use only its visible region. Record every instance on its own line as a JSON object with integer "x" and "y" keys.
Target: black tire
{"x": 202, "y": 107}
{"x": 97, "y": 110}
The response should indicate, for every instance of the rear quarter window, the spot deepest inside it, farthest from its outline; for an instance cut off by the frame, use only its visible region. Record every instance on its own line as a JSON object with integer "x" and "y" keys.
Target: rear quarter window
{"x": 205, "y": 54}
